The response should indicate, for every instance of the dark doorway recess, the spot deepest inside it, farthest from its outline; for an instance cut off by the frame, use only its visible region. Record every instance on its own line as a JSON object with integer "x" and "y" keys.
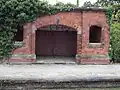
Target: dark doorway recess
{"x": 95, "y": 34}
{"x": 19, "y": 34}
{"x": 56, "y": 43}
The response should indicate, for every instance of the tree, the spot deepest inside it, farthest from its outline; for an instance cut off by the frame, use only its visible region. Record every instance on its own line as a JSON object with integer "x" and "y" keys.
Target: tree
{"x": 116, "y": 13}
{"x": 87, "y": 4}
{"x": 115, "y": 4}
{"x": 106, "y": 3}
{"x": 62, "y": 5}
{"x": 77, "y": 3}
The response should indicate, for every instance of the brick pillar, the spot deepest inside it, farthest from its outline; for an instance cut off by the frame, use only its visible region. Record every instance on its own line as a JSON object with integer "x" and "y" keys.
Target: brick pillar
{"x": 26, "y": 52}
{"x": 79, "y": 44}
{"x": 33, "y": 39}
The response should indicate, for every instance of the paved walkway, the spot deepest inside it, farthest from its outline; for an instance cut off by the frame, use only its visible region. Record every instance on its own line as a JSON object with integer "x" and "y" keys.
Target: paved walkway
{"x": 59, "y": 72}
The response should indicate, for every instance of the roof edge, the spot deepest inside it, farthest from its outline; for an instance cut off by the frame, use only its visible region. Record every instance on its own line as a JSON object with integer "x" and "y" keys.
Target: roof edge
{"x": 88, "y": 9}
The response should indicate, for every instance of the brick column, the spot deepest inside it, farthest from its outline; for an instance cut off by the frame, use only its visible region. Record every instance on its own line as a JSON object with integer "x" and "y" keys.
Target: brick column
{"x": 79, "y": 44}
{"x": 26, "y": 52}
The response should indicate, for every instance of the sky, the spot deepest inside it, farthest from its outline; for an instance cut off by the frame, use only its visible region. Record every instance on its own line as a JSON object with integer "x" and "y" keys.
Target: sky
{"x": 70, "y": 1}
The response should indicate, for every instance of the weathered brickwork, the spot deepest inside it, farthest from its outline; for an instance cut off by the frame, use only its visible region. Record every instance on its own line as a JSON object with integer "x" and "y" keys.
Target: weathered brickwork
{"x": 81, "y": 22}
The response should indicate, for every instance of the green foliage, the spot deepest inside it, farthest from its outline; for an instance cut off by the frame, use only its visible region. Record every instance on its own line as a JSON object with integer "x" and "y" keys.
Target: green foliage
{"x": 116, "y": 14}
{"x": 115, "y": 42}
{"x": 87, "y": 4}
{"x": 109, "y": 12}
{"x": 106, "y": 3}
{"x": 14, "y": 13}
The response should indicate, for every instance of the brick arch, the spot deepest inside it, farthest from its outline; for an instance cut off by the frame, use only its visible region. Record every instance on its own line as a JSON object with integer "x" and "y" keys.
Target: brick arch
{"x": 70, "y": 19}
{"x": 58, "y": 27}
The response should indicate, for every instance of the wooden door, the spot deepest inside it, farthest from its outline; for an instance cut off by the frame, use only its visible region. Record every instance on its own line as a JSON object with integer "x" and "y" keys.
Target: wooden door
{"x": 44, "y": 43}
{"x": 66, "y": 43}
{"x": 56, "y": 43}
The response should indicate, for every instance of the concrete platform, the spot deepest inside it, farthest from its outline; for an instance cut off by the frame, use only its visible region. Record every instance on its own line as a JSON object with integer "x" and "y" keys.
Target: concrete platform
{"x": 59, "y": 76}
{"x": 59, "y": 72}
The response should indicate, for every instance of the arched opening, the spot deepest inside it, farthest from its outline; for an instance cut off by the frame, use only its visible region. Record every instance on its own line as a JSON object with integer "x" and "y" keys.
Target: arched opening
{"x": 56, "y": 41}
{"x": 95, "y": 34}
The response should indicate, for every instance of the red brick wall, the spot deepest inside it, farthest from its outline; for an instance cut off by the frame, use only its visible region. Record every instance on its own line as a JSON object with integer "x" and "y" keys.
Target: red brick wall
{"x": 72, "y": 19}
{"x": 99, "y": 19}
{"x": 80, "y": 21}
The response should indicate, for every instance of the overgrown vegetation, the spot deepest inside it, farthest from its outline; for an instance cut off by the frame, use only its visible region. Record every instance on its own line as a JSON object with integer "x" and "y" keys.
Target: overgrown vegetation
{"x": 14, "y": 13}
{"x": 115, "y": 42}
{"x": 108, "y": 13}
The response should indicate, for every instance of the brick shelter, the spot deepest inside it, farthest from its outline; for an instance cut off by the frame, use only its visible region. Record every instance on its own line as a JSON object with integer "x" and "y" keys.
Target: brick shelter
{"x": 79, "y": 33}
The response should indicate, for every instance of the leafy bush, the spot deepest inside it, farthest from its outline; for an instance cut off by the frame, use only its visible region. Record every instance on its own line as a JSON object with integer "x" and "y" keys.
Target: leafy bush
{"x": 115, "y": 42}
